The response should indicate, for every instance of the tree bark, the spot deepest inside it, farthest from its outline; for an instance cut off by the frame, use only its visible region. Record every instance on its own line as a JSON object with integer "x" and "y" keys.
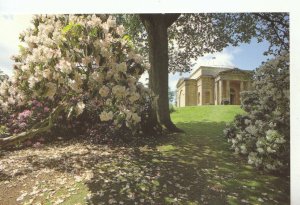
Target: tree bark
{"x": 157, "y": 29}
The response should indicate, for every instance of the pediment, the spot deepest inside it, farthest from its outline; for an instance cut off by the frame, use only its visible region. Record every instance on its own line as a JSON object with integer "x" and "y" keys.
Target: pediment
{"x": 236, "y": 71}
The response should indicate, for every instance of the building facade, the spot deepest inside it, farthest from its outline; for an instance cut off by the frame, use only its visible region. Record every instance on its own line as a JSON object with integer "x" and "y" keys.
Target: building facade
{"x": 213, "y": 86}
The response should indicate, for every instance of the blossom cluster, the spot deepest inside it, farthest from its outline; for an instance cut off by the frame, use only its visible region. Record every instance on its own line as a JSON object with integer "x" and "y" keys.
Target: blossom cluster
{"x": 82, "y": 60}
{"x": 263, "y": 133}
{"x": 19, "y": 121}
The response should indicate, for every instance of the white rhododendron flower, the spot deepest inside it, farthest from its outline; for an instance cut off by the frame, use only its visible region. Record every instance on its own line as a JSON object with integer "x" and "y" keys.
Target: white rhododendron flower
{"x": 260, "y": 150}
{"x": 134, "y": 97}
{"x": 47, "y": 73}
{"x": 32, "y": 81}
{"x": 243, "y": 149}
{"x": 3, "y": 88}
{"x": 111, "y": 22}
{"x": 64, "y": 66}
{"x": 80, "y": 107}
{"x": 11, "y": 101}
{"x": 104, "y": 90}
{"x": 122, "y": 67}
{"x": 270, "y": 150}
{"x": 106, "y": 116}
{"x": 120, "y": 30}
{"x": 51, "y": 90}
{"x": 119, "y": 91}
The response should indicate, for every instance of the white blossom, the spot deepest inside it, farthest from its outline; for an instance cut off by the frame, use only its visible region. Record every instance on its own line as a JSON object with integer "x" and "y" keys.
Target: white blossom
{"x": 47, "y": 73}
{"x": 80, "y": 107}
{"x": 64, "y": 66}
{"x": 270, "y": 150}
{"x": 104, "y": 91}
{"x": 111, "y": 22}
{"x": 134, "y": 97}
{"x": 119, "y": 91}
{"x": 51, "y": 90}
{"x": 260, "y": 150}
{"x": 122, "y": 67}
{"x": 106, "y": 116}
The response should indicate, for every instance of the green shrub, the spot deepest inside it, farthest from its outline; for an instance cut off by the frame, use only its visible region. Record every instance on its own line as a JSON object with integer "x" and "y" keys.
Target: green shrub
{"x": 263, "y": 133}
{"x": 171, "y": 108}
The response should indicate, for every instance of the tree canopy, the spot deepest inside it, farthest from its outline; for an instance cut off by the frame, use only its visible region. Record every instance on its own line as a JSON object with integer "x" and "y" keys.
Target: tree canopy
{"x": 173, "y": 41}
{"x": 193, "y": 35}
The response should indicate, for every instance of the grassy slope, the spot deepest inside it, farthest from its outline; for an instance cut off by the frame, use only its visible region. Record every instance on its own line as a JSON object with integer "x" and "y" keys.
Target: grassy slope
{"x": 209, "y": 113}
{"x": 227, "y": 178}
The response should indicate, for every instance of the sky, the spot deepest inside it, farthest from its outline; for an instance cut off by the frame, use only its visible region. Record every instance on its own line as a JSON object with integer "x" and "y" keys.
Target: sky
{"x": 245, "y": 56}
{"x": 11, "y": 26}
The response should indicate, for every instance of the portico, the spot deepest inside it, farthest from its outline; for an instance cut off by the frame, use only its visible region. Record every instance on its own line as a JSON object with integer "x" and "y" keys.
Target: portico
{"x": 213, "y": 86}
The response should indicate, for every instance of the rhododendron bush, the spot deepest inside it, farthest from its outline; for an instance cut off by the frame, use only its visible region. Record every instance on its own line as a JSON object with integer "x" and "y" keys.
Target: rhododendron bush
{"x": 263, "y": 133}
{"x": 81, "y": 63}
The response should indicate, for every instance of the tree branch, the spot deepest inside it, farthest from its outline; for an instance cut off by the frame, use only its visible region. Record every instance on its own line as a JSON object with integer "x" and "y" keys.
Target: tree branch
{"x": 266, "y": 18}
{"x": 170, "y": 19}
{"x": 38, "y": 128}
{"x": 146, "y": 19}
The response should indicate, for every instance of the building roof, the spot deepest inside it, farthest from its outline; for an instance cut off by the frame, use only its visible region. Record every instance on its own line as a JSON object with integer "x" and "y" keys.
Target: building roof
{"x": 208, "y": 71}
{"x": 211, "y": 71}
{"x": 236, "y": 70}
{"x": 181, "y": 80}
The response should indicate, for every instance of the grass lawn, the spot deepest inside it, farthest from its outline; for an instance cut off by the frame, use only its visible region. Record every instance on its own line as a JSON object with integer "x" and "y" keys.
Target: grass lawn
{"x": 195, "y": 167}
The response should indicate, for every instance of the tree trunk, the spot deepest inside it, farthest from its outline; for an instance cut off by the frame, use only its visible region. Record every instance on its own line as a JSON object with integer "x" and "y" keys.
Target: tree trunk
{"x": 157, "y": 29}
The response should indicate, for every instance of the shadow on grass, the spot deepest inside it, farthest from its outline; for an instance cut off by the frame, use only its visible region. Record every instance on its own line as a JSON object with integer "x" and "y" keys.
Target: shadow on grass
{"x": 196, "y": 167}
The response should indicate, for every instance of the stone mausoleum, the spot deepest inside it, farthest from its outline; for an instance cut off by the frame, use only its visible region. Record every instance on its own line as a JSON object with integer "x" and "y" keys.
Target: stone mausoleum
{"x": 213, "y": 86}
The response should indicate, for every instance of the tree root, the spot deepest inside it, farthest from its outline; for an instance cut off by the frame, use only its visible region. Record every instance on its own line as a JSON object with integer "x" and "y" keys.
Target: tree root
{"x": 170, "y": 127}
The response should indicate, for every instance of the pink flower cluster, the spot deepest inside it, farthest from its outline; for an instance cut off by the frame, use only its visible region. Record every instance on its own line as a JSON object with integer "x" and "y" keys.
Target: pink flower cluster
{"x": 24, "y": 115}
{"x": 36, "y": 104}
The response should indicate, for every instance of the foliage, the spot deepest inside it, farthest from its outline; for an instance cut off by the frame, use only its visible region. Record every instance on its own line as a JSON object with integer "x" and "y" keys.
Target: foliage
{"x": 193, "y": 35}
{"x": 79, "y": 60}
{"x": 171, "y": 95}
{"x": 3, "y": 76}
{"x": 171, "y": 108}
{"x": 263, "y": 133}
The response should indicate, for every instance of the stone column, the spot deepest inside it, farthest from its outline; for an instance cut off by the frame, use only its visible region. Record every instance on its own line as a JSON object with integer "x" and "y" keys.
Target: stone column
{"x": 200, "y": 90}
{"x": 216, "y": 93}
{"x": 200, "y": 97}
{"x": 220, "y": 92}
{"x": 242, "y": 86}
{"x": 211, "y": 97}
{"x": 228, "y": 89}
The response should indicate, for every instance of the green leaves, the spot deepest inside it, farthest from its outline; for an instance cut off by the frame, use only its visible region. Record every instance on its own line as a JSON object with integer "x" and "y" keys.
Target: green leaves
{"x": 71, "y": 27}
{"x": 67, "y": 28}
{"x": 22, "y": 49}
{"x": 126, "y": 37}
{"x": 93, "y": 32}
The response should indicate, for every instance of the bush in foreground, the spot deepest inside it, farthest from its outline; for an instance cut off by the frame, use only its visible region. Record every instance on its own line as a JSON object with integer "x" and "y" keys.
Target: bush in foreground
{"x": 78, "y": 70}
{"x": 263, "y": 134}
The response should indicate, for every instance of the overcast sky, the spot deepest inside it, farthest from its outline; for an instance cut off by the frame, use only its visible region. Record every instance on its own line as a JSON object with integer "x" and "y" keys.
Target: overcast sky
{"x": 11, "y": 26}
{"x": 246, "y": 56}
